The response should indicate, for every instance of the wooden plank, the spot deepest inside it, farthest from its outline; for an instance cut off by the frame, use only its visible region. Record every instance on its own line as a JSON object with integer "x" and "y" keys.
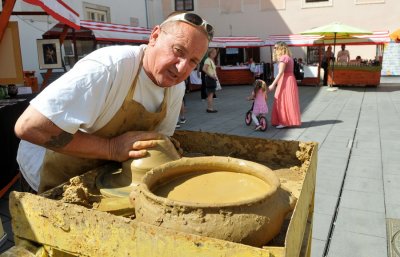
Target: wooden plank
{"x": 86, "y": 232}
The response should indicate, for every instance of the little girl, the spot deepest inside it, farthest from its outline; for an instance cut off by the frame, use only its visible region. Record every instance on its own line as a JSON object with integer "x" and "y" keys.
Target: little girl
{"x": 259, "y": 95}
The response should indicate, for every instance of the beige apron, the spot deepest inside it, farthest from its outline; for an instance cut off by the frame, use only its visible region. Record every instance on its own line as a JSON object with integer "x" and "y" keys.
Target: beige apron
{"x": 58, "y": 168}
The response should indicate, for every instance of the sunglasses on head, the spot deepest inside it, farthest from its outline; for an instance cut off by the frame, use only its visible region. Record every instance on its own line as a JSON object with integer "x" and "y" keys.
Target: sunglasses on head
{"x": 194, "y": 20}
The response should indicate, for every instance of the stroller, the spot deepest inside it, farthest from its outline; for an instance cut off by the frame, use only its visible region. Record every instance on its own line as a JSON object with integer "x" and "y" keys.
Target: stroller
{"x": 261, "y": 119}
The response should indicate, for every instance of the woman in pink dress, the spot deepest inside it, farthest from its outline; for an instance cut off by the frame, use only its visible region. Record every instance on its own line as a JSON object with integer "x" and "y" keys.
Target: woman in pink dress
{"x": 286, "y": 107}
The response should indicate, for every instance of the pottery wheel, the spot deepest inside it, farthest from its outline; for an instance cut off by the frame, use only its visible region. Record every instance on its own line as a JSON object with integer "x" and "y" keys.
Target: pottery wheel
{"x": 119, "y": 180}
{"x": 112, "y": 182}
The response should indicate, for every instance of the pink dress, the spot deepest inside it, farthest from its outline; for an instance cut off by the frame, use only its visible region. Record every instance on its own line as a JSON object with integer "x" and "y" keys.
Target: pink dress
{"x": 286, "y": 107}
{"x": 260, "y": 104}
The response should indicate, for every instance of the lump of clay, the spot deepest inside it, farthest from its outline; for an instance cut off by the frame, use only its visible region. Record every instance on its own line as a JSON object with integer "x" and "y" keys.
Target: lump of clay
{"x": 120, "y": 182}
{"x": 163, "y": 152}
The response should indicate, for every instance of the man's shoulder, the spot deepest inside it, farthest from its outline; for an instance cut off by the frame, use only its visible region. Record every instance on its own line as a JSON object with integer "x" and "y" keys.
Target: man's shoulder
{"x": 116, "y": 53}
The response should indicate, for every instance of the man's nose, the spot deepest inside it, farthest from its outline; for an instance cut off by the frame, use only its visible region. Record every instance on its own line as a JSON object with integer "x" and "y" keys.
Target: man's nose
{"x": 182, "y": 65}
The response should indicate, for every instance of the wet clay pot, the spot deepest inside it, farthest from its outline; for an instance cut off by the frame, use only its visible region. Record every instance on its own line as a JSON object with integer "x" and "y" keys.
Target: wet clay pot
{"x": 120, "y": 182}
{"x": 219, "y": 200}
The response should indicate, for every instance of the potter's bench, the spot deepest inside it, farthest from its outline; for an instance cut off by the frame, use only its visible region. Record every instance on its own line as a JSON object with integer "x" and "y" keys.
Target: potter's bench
{"x": 44, "y": 223}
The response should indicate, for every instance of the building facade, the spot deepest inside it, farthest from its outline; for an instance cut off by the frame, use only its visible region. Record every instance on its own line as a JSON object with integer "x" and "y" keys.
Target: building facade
{"x": 229, "y": 17}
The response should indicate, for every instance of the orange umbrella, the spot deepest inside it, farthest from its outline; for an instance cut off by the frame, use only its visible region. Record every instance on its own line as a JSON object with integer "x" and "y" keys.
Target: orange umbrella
{"x": 395, "y": 35}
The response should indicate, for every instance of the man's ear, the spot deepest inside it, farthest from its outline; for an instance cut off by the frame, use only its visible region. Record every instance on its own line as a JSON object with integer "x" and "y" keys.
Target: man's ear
{"x": 155, "y": 33}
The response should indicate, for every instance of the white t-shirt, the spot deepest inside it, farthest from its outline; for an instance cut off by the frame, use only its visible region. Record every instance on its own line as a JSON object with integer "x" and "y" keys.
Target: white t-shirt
{"x": 89, "y": 95}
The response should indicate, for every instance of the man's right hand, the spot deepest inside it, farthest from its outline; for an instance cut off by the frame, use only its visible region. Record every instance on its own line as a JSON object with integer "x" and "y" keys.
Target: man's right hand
{"x": 132, "y": 144}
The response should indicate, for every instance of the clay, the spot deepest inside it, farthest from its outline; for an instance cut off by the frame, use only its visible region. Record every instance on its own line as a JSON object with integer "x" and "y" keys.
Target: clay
{"x": 119, "y": 182}
{"x": 291, "y": 180}
{"x": 206, "y": 187}
{"x": 251, "y": 220}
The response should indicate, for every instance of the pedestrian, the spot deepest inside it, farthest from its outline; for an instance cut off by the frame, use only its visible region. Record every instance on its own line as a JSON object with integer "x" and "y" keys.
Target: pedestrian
{"x": 111, "y": 105}
{"x": 326, "y": 59}
{"x": 211, "y": 78}
{"x": 286, "y": 107}
{"x": 259, "y": 95}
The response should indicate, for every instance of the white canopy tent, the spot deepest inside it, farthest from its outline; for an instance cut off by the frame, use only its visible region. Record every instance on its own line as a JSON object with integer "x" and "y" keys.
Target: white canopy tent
{"x": 376, "y": 38}
{"x": 237, "y": 42}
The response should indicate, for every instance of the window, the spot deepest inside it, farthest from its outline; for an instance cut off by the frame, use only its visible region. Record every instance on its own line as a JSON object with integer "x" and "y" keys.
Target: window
{"x": 95, "y": 12}
{"x": 184, "y": 5}
{"x": 315, "y": 3}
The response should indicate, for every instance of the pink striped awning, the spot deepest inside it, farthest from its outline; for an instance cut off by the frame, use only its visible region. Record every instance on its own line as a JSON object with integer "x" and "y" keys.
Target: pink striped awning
{"x": 376, "y": 38}
{"x": 100, "y": 31}
{"x": 237, "y": 42}
{"x": 293, "y": 39}
{"x": 117, "y": 32}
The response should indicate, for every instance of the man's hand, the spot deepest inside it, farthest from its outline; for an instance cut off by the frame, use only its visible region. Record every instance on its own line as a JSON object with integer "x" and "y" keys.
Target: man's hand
{"x": 132, "y": 144}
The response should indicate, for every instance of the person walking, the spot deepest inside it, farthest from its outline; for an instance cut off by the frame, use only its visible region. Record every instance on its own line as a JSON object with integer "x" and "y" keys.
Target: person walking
{"x": 286, "y": 107}
{"x": 112, "y": 105}
{"x": 210, "y": 72}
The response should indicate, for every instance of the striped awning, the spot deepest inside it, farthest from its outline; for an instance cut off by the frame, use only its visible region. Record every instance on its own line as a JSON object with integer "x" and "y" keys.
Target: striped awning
{"x": 376, "y": 38}
{"x": 117, "y": 32}
{"x": 293, "y": 39}
{"x": 100, "y": 31}
{"x": 237, "y": 42}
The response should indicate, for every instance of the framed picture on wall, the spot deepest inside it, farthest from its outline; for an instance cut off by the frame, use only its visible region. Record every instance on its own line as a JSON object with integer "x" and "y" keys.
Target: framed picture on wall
{"x": 49, "y": 53}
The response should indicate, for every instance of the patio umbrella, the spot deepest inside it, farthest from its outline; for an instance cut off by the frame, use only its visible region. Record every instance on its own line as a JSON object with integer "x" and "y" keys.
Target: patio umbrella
{"x": 335, "y": 30}
{"x": 395, "y": 35}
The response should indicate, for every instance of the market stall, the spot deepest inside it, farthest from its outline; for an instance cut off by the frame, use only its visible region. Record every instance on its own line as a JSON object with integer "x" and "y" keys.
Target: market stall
{"x": 234, "y": 53}
{"x": 93, "y": 35}
{"x": 360, "y": 72}
{"x": 366, "y": 72}
{"x": 90, "y": 36}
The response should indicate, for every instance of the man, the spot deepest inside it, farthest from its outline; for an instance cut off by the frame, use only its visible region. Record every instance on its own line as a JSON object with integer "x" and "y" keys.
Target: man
{"x": 111, "y": 105}
{"x": 343, "y": 55}
{"x": 326, "y": 59}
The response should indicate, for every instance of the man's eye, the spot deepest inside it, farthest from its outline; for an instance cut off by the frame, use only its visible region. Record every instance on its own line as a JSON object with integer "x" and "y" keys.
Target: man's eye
{"x": 178, "y": 52}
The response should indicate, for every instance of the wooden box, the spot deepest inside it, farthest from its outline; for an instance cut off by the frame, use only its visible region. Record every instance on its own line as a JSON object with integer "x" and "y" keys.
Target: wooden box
{"x": 63, "y": 228}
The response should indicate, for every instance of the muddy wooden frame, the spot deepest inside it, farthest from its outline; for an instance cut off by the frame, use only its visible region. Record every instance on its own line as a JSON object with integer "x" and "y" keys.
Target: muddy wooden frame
{"x": 81, "y": 231}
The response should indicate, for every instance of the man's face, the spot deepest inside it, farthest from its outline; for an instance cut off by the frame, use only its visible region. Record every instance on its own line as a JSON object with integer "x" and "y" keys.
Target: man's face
{"x": 173, "y": 52}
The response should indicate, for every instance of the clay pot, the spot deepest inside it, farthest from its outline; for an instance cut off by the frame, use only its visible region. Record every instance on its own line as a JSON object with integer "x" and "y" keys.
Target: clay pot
{"x": 120, "y": 182}
{"x": 162, "y": 153}
{"x": 251, "y": 220}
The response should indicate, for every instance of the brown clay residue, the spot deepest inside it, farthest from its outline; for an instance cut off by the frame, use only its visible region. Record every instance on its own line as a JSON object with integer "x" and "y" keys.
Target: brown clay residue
{"x": 79, "y": 190}
{"x": 304, "y": 154}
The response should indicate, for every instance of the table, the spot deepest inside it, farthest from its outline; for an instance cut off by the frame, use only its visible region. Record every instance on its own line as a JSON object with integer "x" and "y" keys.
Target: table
{"x": 10, "y": 110}
{"x": 355, "y": 75}
{"x": 235, "y": 75}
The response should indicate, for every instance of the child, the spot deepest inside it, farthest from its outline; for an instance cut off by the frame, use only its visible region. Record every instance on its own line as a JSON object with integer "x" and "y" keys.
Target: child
{"x": 259, "y": 95}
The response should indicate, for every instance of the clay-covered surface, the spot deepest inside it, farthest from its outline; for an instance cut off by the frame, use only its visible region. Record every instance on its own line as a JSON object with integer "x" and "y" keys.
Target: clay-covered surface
{"x": 289, "y": 159}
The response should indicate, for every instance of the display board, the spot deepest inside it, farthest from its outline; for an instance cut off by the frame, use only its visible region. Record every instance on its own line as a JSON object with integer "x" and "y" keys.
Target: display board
{"x": 391, "y": 60}
{"x": 11, "y": 71}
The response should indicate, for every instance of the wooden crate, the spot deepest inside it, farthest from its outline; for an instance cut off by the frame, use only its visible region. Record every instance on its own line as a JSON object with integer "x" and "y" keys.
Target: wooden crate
{"x": 64, "y": 228}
